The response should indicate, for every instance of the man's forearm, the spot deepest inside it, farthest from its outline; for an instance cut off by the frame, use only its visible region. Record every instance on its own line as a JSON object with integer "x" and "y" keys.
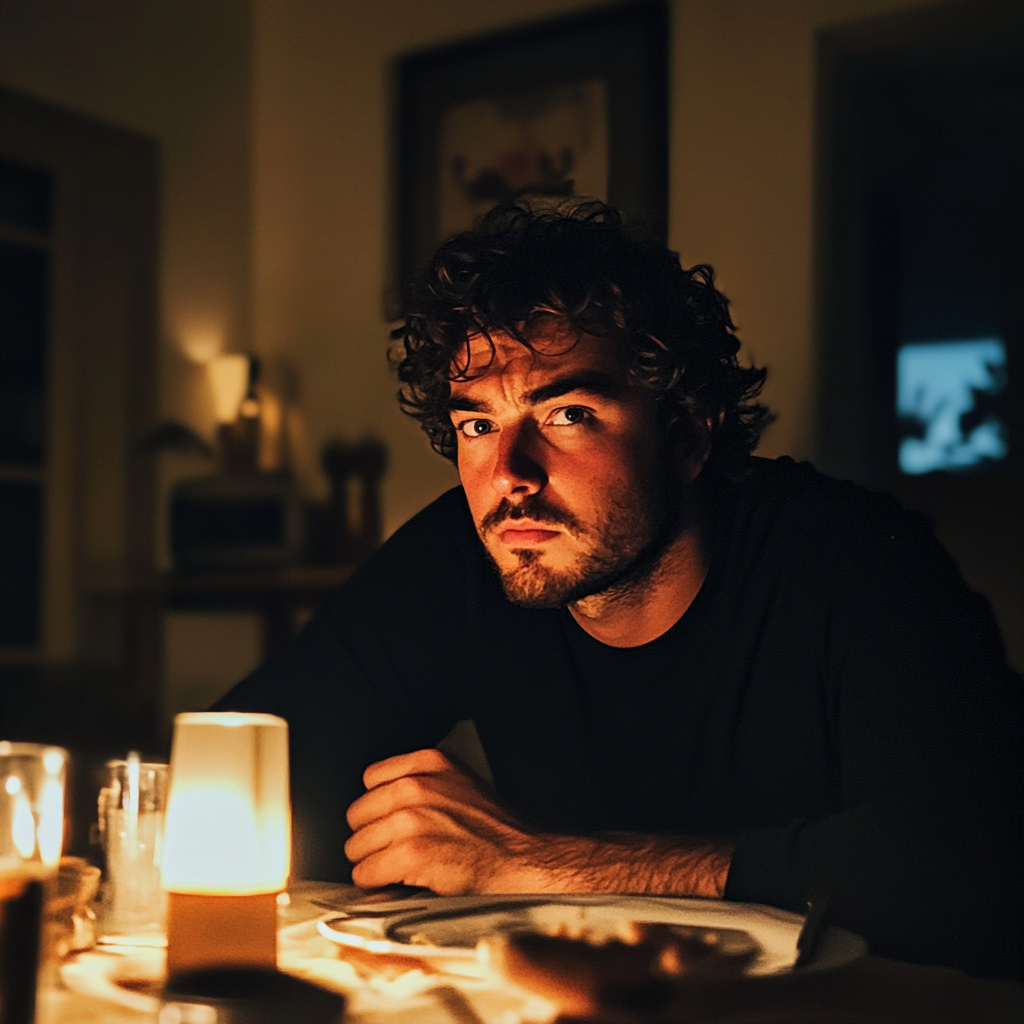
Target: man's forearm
{"x": 621, "y": 863}
{"x": 426, "y": 821}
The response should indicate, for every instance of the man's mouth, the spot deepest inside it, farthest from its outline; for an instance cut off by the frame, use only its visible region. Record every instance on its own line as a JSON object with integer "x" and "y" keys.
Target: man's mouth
{"x": 523, "y": 533}
{"x": 532, "y": 521}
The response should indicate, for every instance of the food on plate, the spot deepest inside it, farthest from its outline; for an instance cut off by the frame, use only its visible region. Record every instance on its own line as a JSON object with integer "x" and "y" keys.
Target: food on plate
{"x": 637, "y": 967}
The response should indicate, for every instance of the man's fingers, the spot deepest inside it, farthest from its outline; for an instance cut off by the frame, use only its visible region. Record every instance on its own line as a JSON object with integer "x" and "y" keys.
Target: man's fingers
{"x": 419, "y": 762}
{"x": 382, "y": 832}
{"x": 405, "y": 791}
{"x": 406, "y": 862}
{"x": 425, "y": 821}
{"x": 419, "y": 860}
{"x": 436, "y": 782}
{"x": 376, "y": 870}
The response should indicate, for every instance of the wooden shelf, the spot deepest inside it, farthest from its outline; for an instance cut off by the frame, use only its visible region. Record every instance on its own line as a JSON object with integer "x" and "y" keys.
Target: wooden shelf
{"x": 285, "y": 597}
{"x": 240, "y": 582}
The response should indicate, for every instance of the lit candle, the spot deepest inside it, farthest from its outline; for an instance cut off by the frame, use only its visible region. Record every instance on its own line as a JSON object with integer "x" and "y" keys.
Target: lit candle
{"x": 32, "y": 810}
{"x": 132, "y": 806}
{"x": 227, "y": 839}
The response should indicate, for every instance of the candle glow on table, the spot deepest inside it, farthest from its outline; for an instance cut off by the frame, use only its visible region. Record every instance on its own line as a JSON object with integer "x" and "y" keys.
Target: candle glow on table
{"x": 227, "y": 835}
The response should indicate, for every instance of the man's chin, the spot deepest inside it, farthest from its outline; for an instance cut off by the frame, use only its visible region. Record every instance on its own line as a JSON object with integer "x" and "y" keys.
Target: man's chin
{"x": 537, "y": 596}
{"x": 531, "y": 584}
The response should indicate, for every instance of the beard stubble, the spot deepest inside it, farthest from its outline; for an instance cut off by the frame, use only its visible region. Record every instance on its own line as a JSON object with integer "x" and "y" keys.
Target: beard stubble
{"x": 624, "y": 548}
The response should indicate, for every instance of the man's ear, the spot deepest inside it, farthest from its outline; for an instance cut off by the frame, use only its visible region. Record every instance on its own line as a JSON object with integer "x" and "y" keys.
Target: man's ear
{"x": 694, "y": 454}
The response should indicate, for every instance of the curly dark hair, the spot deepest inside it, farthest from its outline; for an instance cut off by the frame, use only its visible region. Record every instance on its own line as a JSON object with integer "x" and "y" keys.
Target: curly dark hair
{"x": 579, "y": 263}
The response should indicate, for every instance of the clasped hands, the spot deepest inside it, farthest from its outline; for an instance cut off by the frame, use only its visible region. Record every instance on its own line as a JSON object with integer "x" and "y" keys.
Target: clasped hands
{"x": 426, "y": 821}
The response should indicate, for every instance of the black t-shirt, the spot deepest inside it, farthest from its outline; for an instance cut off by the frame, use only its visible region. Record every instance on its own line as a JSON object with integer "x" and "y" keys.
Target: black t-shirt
{"x": 835, "y": 702}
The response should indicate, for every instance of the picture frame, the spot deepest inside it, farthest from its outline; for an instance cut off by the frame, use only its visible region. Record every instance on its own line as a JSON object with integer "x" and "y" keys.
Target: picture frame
{"x": 575, "y": 105}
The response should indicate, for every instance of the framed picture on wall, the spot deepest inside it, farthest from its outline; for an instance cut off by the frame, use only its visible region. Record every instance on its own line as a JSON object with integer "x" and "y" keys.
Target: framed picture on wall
{"x": 575, "y": 106}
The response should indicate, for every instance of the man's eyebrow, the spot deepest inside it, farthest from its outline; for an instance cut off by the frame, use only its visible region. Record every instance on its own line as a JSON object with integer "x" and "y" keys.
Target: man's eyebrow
{"x": 595, "y": 382}
{"x": 459, "y": 403}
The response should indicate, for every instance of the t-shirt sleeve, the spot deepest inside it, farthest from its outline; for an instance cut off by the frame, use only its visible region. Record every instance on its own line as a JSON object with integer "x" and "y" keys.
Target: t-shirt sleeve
{"x": 923, "y": 853}
{"x": 373, "y": 674}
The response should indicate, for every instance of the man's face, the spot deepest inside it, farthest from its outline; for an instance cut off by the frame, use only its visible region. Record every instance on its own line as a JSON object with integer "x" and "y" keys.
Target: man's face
{"x": 561, "y": 462}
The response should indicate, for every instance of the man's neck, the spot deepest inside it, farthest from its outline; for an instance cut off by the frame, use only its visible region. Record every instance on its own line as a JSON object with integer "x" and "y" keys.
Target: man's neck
{"x": 637, "y": 614}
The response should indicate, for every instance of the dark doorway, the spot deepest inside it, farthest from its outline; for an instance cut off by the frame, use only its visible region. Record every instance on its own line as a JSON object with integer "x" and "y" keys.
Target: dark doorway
{"x": 920, "y": 264}
{"x": 79, "y": 348}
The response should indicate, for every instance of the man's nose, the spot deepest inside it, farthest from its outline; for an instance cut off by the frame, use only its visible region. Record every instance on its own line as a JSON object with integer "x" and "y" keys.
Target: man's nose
{"x": 518, "y": 468}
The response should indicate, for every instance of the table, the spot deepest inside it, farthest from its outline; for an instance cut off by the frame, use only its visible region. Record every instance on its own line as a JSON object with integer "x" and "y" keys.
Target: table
{"x": 870, "y": 991}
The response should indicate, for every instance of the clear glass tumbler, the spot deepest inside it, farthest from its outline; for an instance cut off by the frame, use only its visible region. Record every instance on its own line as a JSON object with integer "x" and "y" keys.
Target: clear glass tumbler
{"x": 131, "y": 825}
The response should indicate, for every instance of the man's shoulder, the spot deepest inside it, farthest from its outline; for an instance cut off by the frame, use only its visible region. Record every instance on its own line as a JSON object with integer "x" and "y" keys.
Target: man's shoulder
{"x": 425, "y": 563}
{"x": 447, "y": 514}
{"x": 793, "y": 498}
{"x": 438, "y": 542}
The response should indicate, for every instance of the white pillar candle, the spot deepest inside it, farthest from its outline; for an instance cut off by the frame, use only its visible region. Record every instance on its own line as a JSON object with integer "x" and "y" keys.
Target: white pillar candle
{"x": 227, "y": 839}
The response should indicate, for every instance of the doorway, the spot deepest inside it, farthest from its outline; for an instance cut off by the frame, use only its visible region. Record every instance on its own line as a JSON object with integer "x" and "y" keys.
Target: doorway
{"x": 920, "y": 261}
{"x": 78, "y": 390}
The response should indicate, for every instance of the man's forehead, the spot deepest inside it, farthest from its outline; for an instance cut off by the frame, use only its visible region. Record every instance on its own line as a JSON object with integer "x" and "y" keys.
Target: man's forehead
{"x": 540, "y": 355}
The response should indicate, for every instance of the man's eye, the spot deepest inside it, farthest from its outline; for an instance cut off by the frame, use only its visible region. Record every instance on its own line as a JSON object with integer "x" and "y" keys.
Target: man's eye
{"x": 475, "y": 428}
{"x": 569, "y": 416}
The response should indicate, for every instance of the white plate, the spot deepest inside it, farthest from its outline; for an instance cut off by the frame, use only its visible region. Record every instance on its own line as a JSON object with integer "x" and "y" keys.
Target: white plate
{"x": 449, "y": 928}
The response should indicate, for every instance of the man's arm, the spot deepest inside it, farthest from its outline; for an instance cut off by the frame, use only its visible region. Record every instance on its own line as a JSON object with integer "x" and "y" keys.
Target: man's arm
{"x": 921, "y": 852}
{"x": 425, "y": 821}
{"x": 367, "y": 676}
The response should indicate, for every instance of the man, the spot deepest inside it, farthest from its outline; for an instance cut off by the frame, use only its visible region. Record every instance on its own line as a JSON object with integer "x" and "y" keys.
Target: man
{"x": 693, "y": 671}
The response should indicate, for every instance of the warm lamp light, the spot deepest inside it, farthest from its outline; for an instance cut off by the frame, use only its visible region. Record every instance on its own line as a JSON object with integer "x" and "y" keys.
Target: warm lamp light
{"x": 227, "y": 839}
{"x": 229, "y": 378}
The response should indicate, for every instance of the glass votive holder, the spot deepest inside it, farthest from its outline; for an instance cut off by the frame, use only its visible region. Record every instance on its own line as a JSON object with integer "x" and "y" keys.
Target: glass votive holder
{"x": 32, "y": 780}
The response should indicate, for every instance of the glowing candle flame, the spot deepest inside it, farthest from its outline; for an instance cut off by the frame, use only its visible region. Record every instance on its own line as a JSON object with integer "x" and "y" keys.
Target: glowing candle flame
{"x": 23, "y": 826}
{"x": 51, "y": 822}
{"x": 132, "y": 808}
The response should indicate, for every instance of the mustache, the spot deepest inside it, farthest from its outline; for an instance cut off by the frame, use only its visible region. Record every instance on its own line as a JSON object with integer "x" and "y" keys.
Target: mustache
{"x": 532, "y": 507}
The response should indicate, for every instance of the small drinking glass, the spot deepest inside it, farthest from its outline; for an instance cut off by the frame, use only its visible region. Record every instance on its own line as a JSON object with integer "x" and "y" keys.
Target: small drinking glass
{"x": 131, "y": 825}
{"x": 31, "y": 836}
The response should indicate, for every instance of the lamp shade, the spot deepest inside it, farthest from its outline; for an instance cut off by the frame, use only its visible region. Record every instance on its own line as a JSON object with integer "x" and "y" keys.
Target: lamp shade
{"x": 229, "y": 378}
{"x": 228, "y": 828}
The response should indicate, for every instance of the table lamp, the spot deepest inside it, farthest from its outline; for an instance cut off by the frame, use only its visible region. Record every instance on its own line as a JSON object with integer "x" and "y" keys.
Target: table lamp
{"x": 227, "y": 840}
{"x": 233, "y": 378}
{"x": 229, "y": 380}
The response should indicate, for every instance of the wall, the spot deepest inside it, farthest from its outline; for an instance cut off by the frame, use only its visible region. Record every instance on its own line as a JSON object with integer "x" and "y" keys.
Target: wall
{"x": 177, "y": 70}
{"x": 742, "y": 168}
{"x": 741, "y": 193}
{"x": 322, "y": 103}
{"x": 272, "y": 116}
{"x": 180, "y": 72}
{"x": 273, "y": 121}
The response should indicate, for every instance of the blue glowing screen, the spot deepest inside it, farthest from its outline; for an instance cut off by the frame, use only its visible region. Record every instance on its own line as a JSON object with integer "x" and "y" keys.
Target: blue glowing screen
{"x": 946, "y": 395}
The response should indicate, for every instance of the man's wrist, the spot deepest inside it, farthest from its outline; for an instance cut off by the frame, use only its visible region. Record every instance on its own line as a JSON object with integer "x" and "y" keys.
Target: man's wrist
{"x": 618, "y": 863}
